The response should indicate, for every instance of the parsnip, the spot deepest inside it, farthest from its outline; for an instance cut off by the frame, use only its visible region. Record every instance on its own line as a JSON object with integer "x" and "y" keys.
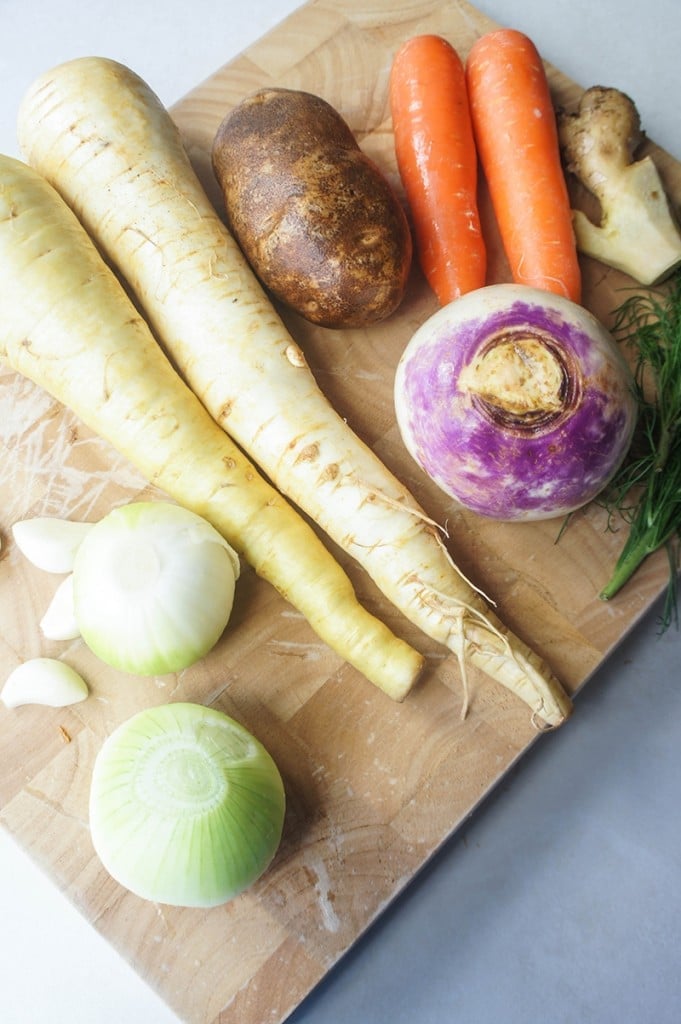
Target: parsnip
{"x": 67, "y": 324}
{"x": 106, "y": 142}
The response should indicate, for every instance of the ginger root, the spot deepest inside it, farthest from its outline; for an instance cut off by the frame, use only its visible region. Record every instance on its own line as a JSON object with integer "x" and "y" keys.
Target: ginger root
{"x": 638, "y": 232}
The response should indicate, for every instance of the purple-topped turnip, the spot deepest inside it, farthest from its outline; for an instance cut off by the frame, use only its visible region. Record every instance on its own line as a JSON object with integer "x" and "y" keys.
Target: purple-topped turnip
{"x": 516, "y": 402}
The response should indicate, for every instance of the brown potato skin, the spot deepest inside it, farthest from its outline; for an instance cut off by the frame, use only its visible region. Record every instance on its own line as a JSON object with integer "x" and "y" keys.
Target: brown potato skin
{"x": 316, "y": 218}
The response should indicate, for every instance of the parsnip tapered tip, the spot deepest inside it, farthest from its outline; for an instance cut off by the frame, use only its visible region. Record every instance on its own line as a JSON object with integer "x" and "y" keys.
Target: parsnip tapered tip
{"x": 547, "y": 719}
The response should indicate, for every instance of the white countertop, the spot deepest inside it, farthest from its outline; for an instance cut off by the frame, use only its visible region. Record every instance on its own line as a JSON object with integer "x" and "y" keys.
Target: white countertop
{"x": 560, "y": 900}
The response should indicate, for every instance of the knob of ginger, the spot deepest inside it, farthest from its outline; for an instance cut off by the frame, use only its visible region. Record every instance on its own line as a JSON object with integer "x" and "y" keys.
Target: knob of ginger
{"x": 638, "y": 231}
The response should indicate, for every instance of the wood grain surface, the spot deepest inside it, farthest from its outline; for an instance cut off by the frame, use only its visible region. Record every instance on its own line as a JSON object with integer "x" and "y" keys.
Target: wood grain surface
{"x": 373, "y": 787}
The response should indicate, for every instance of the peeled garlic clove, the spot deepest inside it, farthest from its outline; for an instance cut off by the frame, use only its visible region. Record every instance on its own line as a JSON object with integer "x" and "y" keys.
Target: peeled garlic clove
{"x": 43, "y": 681}
{"x": 50, "y": 544}
{"x": 59, "y": 621}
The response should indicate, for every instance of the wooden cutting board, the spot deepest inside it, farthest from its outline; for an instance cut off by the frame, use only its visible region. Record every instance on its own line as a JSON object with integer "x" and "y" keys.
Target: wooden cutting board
{"x": 374, "y": 788}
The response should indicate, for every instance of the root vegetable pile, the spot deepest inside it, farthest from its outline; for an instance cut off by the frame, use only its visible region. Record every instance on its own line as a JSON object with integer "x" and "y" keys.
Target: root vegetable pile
{"x": 97, "y": 132}
{"x": 127, "y": 298}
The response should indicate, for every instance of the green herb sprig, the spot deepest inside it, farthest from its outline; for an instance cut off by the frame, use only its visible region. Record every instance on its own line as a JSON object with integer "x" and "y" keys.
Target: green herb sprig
{"x": 646, "y": 491}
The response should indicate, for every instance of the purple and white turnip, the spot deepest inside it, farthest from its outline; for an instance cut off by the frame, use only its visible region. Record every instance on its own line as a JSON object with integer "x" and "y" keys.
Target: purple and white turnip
{"x": 516, "y": 402}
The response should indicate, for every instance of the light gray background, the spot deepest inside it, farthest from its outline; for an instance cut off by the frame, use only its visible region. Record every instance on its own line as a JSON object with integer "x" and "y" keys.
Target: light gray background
{"x": 559, "y": 902}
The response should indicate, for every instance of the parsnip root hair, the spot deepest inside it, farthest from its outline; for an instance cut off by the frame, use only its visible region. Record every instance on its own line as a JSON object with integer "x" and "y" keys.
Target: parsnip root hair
{"x": 105, "y": 141}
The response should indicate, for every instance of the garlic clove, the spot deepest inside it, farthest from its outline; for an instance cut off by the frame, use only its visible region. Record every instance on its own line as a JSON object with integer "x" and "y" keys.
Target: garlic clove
{"x": 48, "y": 543}
{"x": 59, "y": 621}
{"x": 43, "y": 681}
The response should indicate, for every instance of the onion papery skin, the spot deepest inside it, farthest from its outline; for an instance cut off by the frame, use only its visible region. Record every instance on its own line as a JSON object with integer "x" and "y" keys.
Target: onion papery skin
{"x": 523, "y": 454}
{"x": 153, "y": 588}
{"x": 186, "y": 806}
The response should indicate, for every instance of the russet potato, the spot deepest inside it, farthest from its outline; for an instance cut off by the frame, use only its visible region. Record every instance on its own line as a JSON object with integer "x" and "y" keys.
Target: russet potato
{"x": 316, "y": 218}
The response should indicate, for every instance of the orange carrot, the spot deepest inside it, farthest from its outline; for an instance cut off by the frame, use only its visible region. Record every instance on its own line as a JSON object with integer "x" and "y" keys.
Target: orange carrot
{"x": 514, "y": 125}
{"x": 437, "y": 162}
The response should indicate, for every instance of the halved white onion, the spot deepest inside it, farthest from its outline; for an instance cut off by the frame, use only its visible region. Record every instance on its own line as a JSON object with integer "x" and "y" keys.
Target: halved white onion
{"x": 153, "y": 587}
{"x": 186, "y": 806}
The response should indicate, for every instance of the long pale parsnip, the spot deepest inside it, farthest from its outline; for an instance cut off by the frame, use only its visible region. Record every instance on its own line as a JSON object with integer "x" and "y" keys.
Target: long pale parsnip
{"x": 106, "y": 142}
{"x": 67, "y": 324}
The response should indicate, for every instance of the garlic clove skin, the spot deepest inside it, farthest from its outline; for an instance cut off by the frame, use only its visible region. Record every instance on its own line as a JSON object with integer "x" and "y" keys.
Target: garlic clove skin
{"x": 59, "y": 621}
{"x": 44, "y": 681}
{"x": 50, "y": 544}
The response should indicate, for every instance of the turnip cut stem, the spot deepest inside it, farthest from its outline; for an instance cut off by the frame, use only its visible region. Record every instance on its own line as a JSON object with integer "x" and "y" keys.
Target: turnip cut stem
{"x": 67, "y": 324}
{"x": 105, "y": 141}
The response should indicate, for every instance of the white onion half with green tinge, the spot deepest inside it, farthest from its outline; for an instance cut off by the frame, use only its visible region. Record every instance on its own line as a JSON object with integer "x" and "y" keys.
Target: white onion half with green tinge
{"x": 153, "y": 587}
{"x": 186, "y": 806}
